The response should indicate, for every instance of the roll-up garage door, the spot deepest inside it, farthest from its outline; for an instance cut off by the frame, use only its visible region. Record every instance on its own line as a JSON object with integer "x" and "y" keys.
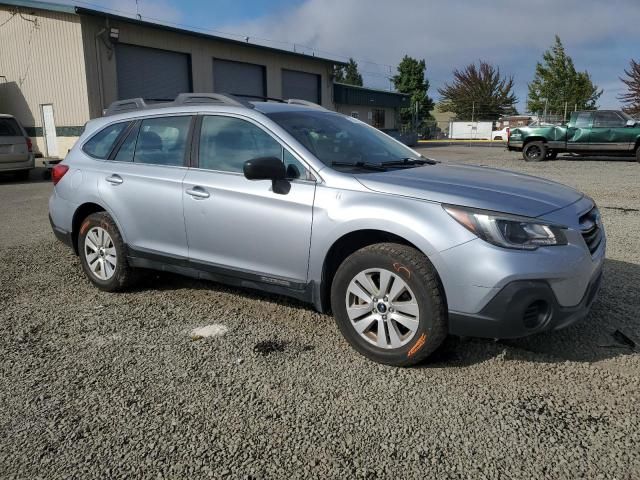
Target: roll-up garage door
{"x": 302, "y": 85}
{"x": 239, "y": 78}
{"x": 151, "y": 73}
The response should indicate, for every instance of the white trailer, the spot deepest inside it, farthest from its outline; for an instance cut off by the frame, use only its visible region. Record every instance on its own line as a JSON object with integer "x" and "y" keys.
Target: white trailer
{"x": 470, "y": 130}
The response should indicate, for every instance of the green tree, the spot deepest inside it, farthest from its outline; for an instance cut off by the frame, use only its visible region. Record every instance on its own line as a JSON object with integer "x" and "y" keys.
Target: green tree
{"x": 631, "y": 98}
{"x": 348, "y": 74}
{"x": 478, "y": 92}
{"x": 411, "y": 79}
{"x": 557, "y": 84}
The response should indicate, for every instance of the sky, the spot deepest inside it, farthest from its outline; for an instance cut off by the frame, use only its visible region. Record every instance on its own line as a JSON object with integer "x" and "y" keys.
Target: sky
{"x": 601, "y": 36}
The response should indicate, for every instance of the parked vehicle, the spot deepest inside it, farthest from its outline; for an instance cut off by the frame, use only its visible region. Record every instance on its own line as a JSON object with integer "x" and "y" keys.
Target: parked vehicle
{"x": 16, "y": 150}
{"x": 603, "y": 132}
{"x": 500, "y": 134}
{"x": 408, "y": 138}
{"x": 470, "y": 130}
{"x": 297, "y": 200}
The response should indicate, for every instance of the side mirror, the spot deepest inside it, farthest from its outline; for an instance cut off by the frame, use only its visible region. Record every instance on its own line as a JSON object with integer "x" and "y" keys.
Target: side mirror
{"x": 268, "y": 168}
{"x": 264, "y": 168}
{"x": 631, "y": 123}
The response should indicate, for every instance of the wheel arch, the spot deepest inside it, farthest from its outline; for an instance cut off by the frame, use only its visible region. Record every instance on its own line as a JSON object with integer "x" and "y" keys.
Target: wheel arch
{"x": 82, "y": 212}
{"x": 349, "y": 243}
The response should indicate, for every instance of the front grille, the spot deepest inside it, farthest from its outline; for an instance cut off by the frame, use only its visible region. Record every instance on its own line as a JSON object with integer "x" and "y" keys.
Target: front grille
{"x": 590, "y": 229}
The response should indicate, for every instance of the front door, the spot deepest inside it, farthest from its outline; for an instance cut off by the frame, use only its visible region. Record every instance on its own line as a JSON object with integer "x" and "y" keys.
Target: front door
{"x": 578, "y": 131}
{"x": 610, "y": 133}
{"x": 142, "y": 186}
{"x": 243, "y": 225}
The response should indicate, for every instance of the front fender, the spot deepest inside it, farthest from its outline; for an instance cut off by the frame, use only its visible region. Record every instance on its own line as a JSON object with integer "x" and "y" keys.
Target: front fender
{"x": 424, "y": 224}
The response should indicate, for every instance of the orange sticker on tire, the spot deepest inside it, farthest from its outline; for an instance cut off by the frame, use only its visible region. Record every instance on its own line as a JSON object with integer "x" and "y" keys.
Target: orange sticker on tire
{"x": 398, "y": 267}
{"x": 418, "y": 345}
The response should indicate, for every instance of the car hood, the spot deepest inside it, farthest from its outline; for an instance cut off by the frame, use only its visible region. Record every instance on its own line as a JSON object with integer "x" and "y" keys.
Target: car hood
{"x": 471, "y": 186}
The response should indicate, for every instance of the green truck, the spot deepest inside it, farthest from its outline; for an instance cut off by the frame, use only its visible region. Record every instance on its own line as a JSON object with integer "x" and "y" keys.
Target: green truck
{"x": 602, "y": 132}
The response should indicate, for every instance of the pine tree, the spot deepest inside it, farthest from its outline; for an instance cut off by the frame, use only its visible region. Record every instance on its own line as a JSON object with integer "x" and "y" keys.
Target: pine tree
{"x": 411, "y": 79}
{"x": 631, "y": 98}
{"x": 348, "y": 74}
{"x": 557, "y": 84}
{"x": 479, "y": 92}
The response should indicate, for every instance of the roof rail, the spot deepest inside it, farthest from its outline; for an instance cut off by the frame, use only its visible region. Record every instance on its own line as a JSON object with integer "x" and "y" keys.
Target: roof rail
{"x": 127, "y": 105}
{"x": 195, "y": 98}
{"x": 306, "y": 103}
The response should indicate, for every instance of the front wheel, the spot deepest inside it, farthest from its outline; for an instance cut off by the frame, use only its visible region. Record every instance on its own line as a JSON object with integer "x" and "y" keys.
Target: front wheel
{"x": 388, "y": 304}
{"x": 102, "y": 253}
{"x": 534, "y": 152}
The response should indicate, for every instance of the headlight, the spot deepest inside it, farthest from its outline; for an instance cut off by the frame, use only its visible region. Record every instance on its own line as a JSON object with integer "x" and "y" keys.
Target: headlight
{"x": 509, "y": 231}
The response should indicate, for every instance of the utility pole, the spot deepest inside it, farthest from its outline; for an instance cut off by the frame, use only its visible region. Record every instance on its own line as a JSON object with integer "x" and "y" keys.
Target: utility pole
{"x": 473, "y": 111}
{"x": 565, "y": 112}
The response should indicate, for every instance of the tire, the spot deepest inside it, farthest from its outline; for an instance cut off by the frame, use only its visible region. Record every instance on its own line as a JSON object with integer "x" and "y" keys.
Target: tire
{"x": 638, "y": 154}
{"x": 22, "y": 175}
{"x": 551, "y": 155}
{"x": 534, "y": 152}
{"x": 113, "y": 274}
{"x": 422, "y": 303}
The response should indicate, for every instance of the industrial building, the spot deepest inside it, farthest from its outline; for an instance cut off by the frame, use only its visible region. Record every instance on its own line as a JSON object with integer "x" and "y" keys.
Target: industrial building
{"x": 62, "y": 65}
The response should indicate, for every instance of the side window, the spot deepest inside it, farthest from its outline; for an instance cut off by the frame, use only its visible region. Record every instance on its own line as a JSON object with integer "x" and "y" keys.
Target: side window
{"x": 608, "y": 119}
{"x": 583, "y": 120}
{"x": 162, "y": 141}
{"x": 295, "y": 169}
{"x": 226, "y": 143}
{"x": 127, "y": 149}
{"x": 100, "y": 145}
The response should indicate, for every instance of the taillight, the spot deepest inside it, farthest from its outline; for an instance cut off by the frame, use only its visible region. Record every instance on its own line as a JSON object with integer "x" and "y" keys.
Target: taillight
{"x": 58, "y": 172}
{"x": 29, "y": 145}
{"x": 508, "y": 133}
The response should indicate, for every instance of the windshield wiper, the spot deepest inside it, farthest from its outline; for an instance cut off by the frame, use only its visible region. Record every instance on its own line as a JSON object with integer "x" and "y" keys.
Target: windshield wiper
{"x": 409, "y": 162}
{"x": 368, "y": 166}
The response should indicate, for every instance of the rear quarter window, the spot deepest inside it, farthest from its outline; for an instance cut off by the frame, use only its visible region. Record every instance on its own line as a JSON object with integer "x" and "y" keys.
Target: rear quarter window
{"x": 101, "y": 144}
{"x": 10, "y": 128}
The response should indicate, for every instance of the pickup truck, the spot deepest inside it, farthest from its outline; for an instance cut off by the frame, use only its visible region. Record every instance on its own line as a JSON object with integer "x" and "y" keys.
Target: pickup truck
{"x": 602, "y": 132}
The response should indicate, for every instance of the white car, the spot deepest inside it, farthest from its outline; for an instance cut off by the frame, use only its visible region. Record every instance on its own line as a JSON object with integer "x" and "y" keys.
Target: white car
{"x": 16, "y": 150}
{"x": 500, "y": 134}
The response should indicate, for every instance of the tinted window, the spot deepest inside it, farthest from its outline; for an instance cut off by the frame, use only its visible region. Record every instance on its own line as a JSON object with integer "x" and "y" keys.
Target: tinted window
{"x": 162, "y": 141}
{"x": 226, "y": 143}
{"x": 608, "y": 119}
{"x": 127, "y": 149}
{"x": 100, "y": 145}
{"x": 9, "y": 128}
{"x": 583, "y": 120}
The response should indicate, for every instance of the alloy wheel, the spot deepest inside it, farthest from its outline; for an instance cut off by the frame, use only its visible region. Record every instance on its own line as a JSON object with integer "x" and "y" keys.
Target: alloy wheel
{"x": 382, "y": 308}
{"x": 100, "y": 253}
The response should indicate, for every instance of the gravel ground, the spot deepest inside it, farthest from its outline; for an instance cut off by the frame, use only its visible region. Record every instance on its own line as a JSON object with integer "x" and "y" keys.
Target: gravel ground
{"x": 102, "y": 385}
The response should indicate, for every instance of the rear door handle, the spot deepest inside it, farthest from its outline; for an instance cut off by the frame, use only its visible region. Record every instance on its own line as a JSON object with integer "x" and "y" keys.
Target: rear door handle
{"x": 198, "y": 192}
{"x": 114, "y": 179}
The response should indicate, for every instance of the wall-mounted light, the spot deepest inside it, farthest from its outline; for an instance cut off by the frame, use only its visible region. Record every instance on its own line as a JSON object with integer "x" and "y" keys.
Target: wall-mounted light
{"x": 114, "y": 34}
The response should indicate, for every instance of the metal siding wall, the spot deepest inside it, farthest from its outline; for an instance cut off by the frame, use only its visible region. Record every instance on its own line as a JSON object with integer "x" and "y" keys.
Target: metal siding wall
{"x": 43, "y": 63}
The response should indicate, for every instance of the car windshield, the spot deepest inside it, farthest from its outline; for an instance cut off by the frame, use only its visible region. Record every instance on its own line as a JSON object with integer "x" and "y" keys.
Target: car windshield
{"x": 341, "y": 141}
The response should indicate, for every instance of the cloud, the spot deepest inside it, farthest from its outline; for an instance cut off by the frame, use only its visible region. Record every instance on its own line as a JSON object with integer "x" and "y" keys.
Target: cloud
{"x": 600, "y": 36}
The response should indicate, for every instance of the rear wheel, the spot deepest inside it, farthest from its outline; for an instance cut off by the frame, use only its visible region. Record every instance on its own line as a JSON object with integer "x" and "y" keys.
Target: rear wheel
{"x": 638, "y": 153}
{"x": 102, "y": 253}
{"x": 22, "y": 175}
{"x": 534, "y": 152}
{"x": 388, "y": 304}
{"x": 551, "y": 155}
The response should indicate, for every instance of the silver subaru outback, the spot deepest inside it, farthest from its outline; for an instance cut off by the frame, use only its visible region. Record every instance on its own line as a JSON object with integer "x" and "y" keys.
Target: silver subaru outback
{"x": 290, "y": 198}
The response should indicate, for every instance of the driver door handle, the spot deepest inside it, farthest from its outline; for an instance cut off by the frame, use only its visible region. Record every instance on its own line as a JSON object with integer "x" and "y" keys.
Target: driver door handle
{"x": 114, "y": 179}
{"x": 198, "y": 192}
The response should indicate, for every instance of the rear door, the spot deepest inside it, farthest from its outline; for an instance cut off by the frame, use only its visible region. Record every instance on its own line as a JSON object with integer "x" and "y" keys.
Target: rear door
{"x": 610, "y": 133}
{"x": 242, "y": 225}
{"x": 142, "y": 185}
{"x": 13, "y": 143}
{"x": 579, "y": 130}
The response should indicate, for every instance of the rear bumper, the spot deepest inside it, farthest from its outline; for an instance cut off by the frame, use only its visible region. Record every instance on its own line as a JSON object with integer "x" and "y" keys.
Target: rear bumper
{"x": 18, "y": 165}
{"x": 62, "y": 235}
{"x": 523, "y": 308}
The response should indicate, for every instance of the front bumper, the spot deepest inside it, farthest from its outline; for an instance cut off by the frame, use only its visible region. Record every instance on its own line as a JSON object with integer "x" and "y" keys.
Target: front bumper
{"x": 514, "y": 146}
{"x": 523, "y": 308}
